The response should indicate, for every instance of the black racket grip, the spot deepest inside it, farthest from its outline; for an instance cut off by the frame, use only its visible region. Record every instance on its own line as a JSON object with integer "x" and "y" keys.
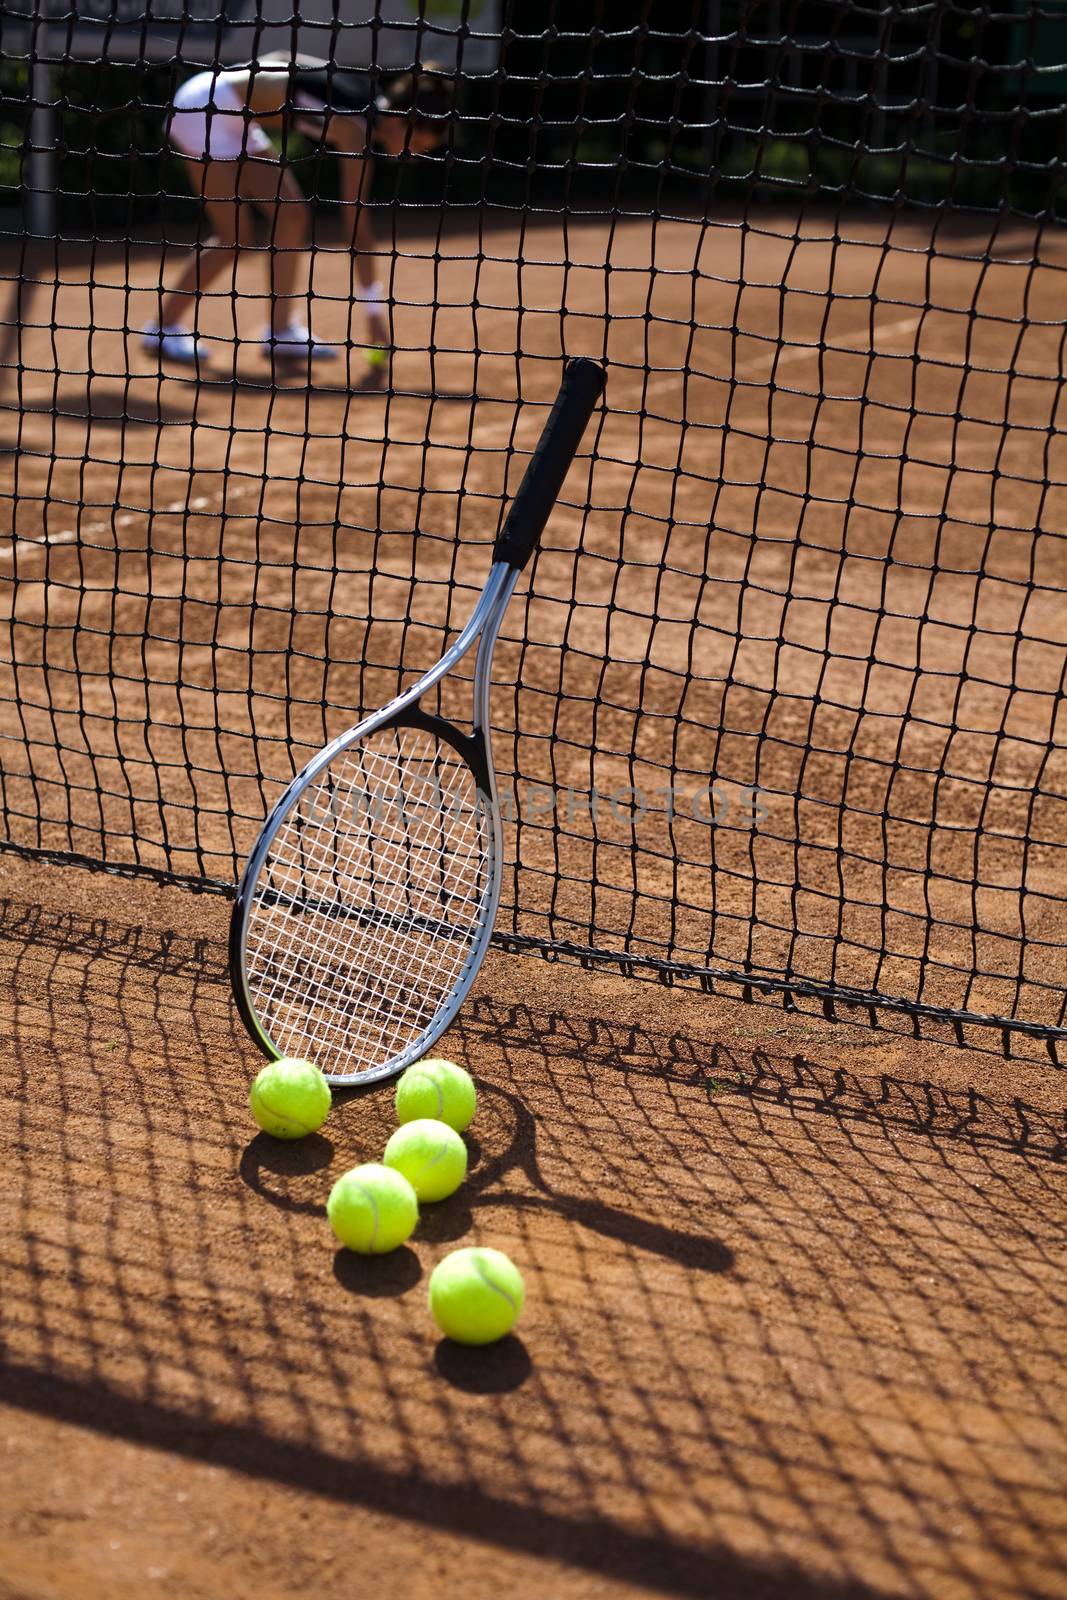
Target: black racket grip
{"x": 582, "y": 386}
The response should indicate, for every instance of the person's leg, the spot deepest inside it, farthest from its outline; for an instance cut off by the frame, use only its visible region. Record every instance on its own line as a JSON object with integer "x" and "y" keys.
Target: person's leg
{"x": 348, "y": 136}
{"x": 231, "y": 193}
{"x": 276, "y": 194}
{"x": 227, "y": 226}
{"x": 278, "y": 197}
{"x": 215, "y": 183}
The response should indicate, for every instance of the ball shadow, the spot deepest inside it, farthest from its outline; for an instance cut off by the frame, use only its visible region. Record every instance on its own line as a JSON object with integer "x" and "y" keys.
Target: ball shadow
{"x": 484, "y": 1369}
{"x": 264, "y": 1158}
{"x": 445, "y": 1221}
{"x": 377, "y": 1277}
{"x": 290, "y": 1157}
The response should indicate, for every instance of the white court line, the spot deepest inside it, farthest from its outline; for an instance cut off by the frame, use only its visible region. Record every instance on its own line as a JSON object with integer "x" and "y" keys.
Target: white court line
{"x": 8, "y": 549}
{"x": 769, "y": 360}
{"x": 796, "y": 352}
{"x": 499, "y": 434}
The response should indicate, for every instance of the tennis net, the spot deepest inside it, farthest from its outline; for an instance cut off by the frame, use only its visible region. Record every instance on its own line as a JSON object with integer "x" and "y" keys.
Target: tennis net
{"x": 783, "y": 710}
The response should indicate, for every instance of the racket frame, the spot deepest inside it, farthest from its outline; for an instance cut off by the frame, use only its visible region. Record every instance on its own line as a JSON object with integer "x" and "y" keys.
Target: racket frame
{"x": 404, "y": 711}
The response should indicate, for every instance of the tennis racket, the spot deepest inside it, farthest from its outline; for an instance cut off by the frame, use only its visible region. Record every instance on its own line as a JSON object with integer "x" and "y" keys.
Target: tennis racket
{"x": 367, "y": 904}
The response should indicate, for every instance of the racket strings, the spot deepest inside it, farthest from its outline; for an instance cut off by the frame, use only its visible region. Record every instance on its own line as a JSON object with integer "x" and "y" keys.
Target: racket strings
{"x": 369, "y": 902}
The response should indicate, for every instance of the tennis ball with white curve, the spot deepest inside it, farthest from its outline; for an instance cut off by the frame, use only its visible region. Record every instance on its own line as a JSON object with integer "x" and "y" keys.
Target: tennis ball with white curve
{"x": 476, "y": 1295}
{"x": 290, "y": 1098}
{"x": 372, "y": 1209}
{"x": 431, "y": 1156}
{"x": 439, "y": 1089}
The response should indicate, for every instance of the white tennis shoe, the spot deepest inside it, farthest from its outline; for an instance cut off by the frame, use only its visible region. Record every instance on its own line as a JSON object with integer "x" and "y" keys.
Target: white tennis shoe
{"x": 175, "y": 343}
{"x": 295, "y": 343}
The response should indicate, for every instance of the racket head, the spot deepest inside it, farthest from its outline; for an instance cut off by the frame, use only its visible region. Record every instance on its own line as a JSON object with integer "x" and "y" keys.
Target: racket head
{"x": 368, "y": 903}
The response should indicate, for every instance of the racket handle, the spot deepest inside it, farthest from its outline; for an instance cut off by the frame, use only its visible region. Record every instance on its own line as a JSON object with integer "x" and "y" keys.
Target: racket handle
{"x": 582, "y": 386}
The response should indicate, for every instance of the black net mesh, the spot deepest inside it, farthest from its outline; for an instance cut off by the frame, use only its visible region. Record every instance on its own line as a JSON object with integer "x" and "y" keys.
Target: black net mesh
{"x": 783, "y": 707}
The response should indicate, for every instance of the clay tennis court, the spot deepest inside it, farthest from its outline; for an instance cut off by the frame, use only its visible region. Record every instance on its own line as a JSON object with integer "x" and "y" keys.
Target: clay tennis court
{"x": 818, "y": 561}
{"x": 795, "y": 1308}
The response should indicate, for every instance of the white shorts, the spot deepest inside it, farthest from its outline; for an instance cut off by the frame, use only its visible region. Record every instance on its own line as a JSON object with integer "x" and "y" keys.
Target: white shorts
{"x": 210, "y": 120}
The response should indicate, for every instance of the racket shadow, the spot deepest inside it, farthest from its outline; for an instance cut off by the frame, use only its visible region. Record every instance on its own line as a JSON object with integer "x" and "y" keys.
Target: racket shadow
{"x": 696, "y": 1250}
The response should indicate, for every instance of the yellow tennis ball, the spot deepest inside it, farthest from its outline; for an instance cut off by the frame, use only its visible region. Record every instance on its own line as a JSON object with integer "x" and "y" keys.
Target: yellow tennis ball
{"x": 431, "y": 1156}
{"x": 372, "y": 1209}
{"x": 476, "y": 1295}
{"x": 290, "y": 1098}
{"x": 439, "y": 1089}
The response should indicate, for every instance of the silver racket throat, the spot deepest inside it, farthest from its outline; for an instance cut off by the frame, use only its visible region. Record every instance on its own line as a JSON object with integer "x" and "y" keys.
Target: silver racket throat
{"x": 293, "y": 975}
{"x": 485, "y": 621}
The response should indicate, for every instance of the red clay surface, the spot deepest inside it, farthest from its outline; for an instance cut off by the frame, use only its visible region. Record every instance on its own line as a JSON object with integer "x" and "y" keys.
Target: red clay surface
{"x": 796, "y": 1301}
{"x": 795, "y": 1298}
